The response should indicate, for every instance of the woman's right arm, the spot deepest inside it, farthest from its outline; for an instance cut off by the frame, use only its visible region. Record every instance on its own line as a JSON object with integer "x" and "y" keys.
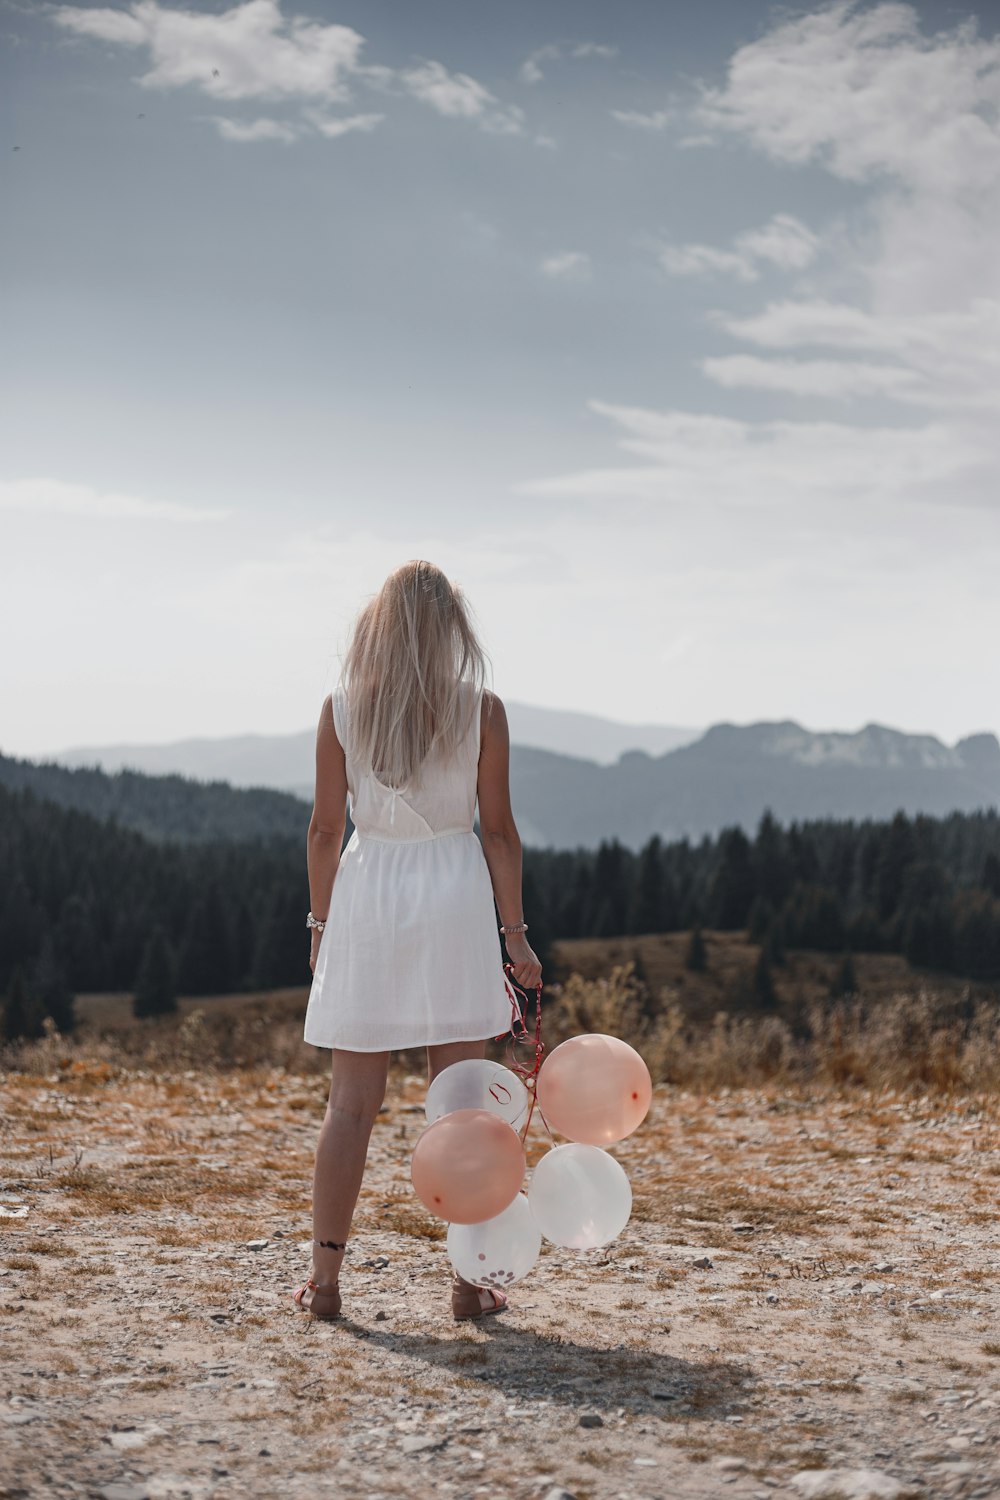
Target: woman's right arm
{"x": 499, "y": 835}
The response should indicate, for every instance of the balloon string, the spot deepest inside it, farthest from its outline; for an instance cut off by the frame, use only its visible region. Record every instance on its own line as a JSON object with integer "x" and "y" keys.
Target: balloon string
{"x": 519, "y": 1033}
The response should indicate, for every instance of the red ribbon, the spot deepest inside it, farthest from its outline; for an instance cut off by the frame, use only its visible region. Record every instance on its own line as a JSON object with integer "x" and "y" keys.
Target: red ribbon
{"x": 519, "y": 1034}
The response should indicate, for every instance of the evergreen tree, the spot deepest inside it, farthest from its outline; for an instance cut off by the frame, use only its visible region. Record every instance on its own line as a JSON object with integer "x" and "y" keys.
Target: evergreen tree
{"x": 51, "y": 988}
{"x": 896, "y": 853}
{"x": 206, "y": 961}
{"x": 760, "y": 918}
{"x": 156, "y": 982}
{"x": 647, "y": 912}
{"x": 610, "y": 890}
{"x": 22, "y": 1014}
{"x": 772, "y": 868}
{"x": 732, "y": 889}
{"x": 696, "y": 957}
{"x": 762, "y": 984}
{"x": 990, "y": 878}
{"x": 844, "y": 981}
{"x": 774, "y": 943}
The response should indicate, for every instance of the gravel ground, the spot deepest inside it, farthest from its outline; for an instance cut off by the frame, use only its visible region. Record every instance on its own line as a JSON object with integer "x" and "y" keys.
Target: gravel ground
{"x": 803, "y": 1305}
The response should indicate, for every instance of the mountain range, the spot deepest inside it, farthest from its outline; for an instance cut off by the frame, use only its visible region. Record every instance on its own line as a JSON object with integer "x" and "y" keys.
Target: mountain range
{"x": 675, "y": 783}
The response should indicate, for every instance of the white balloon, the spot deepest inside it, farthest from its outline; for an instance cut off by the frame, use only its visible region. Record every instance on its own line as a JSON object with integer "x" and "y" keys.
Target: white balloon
{"x": 580, "y": 1197}
{"x": 498, "y": 1251}
{"x": 478, "y": 1084}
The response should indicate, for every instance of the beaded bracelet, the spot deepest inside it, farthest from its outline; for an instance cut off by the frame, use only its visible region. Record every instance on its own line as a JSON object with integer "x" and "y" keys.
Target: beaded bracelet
{"x": 515, "y": 927}
{"x": 312, "y": 921}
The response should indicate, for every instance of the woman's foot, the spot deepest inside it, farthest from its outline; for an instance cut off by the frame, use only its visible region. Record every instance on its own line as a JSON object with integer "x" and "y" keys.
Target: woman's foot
{"x": 469, "y": 1301}
{"x": 323, "y": 1299}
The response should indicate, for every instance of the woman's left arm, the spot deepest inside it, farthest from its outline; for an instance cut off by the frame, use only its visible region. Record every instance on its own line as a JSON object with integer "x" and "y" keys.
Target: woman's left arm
{"x": 329, "y": 819}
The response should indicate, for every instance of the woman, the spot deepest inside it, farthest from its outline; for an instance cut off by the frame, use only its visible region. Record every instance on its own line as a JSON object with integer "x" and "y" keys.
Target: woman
{"x": 406, "y": 951}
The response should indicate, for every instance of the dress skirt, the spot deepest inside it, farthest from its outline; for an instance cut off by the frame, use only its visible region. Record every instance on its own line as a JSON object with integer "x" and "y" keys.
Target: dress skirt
{"x": 411, "y": 954}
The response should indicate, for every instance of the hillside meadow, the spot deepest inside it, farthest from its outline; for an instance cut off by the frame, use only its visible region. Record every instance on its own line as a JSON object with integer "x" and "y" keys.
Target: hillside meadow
{"x": 801, "y": 1304}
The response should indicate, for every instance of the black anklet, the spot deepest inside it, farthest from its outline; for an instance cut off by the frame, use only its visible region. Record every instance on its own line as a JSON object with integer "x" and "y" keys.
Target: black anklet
{"x": 330, "y": 1244}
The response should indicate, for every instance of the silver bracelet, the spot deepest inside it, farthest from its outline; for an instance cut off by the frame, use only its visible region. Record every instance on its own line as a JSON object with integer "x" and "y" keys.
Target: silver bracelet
{"x": 515, "y": 927}
{"x": 312, "y": 921}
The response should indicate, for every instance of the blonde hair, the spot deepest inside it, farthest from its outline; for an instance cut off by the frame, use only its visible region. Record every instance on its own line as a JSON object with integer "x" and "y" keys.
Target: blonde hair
{"x": 412, "y": 658}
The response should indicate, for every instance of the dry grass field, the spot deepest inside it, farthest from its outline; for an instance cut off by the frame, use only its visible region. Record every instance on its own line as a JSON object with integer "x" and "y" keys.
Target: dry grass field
{"x": 803, "y": 1303}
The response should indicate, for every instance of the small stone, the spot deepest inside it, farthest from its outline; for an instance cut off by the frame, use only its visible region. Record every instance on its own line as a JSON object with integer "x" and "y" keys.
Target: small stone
{"x": 263, "y": 1453}
{"x": 591, "y": 1419}
{"x": 849, "y": 1484}
{"x": 378, "y": 1264}
{"x": 257, "y": 1244}
{"x": 702, "y": 1264}
{"x": 884, "y": 1265}
{"x": 645, "y": 1463}
{"x": 664, "y": 1395}
{"x": 415, "y": 1444}
{"x": 730, "y": 1465}
{"x": 381, "y": 1317}
{"x": 122, "y": 1491}
{"x": 558, "y": 1493}
{"x": 743, "y": 1228}
{"x": 773, "y": 1297}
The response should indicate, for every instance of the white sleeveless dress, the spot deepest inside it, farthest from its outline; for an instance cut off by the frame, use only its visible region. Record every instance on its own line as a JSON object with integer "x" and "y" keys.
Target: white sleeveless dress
{"x": 411, "y": 954}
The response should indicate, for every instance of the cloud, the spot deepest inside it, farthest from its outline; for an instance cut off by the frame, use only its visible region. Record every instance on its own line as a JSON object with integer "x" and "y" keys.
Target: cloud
{"x": 253, "y": 51}
{"x": 262, "y": 129}
{"x": 458, "y": 95}
{"x": 333, "y": 127}
{"x": 783, "y": 242}
{"x": 532, "y": 70}
{"x": 837, "y": 378}
{"x": 570, "y": 264}
{"x": 658, "y": 120}
{"x": 55, "y": 497}
{"x": 690, "y": 460}
{"x": 247, "y": 52}
{"x": 864, "y": 93}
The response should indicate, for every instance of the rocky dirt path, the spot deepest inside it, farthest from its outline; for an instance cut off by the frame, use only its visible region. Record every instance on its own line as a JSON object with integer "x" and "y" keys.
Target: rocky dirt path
{"x": 804, "y": 1305}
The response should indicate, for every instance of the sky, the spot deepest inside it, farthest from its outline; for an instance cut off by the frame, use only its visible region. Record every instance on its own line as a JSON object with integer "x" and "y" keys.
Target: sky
{"x": 671, "y": 332}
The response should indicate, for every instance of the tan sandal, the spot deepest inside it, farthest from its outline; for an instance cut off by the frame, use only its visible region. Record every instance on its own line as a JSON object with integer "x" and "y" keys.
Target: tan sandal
{"x": 326, "y": 1294}
{"x": 466, "y": 1300}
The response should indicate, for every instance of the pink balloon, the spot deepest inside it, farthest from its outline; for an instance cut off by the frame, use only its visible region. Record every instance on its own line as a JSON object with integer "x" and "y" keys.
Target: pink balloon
{"x": 594, "y": 1089}
{"x": 468, "y": 1166}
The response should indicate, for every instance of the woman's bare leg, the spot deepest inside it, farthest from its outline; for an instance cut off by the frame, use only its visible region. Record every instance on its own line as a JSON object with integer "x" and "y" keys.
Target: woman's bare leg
{"x": 439, "y": 1058}
{"x": 357, "y": 1089}
{"x": 446, "y": 1053}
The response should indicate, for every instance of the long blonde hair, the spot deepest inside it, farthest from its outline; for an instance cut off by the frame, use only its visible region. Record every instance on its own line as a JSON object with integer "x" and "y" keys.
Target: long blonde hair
{"x": 413, "y": 672}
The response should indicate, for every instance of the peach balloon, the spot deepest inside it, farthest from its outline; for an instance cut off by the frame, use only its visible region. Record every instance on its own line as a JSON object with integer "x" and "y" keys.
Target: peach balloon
{"x": 594, "y": 1089}
{"x": 468, "y": 1166}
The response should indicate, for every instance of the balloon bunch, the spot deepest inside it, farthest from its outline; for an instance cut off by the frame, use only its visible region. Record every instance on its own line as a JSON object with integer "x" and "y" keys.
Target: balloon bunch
{"x": 469, "y": 1164}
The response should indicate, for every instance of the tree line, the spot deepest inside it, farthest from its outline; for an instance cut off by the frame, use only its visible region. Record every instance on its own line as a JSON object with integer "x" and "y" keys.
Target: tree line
{"x": 87, "y": 905}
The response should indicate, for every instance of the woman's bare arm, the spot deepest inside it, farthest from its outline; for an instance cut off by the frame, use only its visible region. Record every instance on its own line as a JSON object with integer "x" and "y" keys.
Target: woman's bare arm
{"x": 500, "y": 839}
{"x": 329, "y": 819}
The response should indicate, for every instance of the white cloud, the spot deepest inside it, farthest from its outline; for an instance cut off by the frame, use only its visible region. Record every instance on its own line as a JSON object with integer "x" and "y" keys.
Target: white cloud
{"x": 659, "y": 119}
{"x": 784, "y": 242}
{"x": 333, "y": 127}
{"x": 835, "y": 378}
{"x": 694, "y": 459}
{"x": 696, "y": 260}
{"x": 247, "y": 52}
{"x": 532, "y": 70}
{"x": 456, "y": 94}
{"x": 253, "y": 51}
{"x": 571, "y": 264}
{"x": 42, "y": 496}
{"x": 862, "y": 91}
{"x": 262, "y": 129}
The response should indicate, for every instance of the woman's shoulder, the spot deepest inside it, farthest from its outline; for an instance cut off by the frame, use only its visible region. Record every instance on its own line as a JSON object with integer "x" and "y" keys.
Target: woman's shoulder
{"x": 493, "y": 716}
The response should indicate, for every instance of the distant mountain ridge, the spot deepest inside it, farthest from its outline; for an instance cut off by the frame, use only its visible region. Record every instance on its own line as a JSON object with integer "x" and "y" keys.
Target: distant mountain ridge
{"x": 286, "y": 761}
{"x": 726, "y": 777}
{"x": 734, "y": 772}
